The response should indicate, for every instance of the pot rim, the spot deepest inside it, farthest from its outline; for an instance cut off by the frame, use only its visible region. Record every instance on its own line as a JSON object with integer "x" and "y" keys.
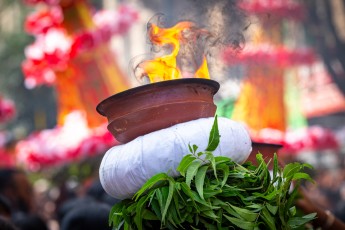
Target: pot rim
{"x": 160, "y": 84}
{"x": 265, "y": 144}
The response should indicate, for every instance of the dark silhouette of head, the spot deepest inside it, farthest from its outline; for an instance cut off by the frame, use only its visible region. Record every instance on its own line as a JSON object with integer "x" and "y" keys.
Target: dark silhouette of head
{"x": 89, "y": 216}
{"x": 5, "y": 224}
{"x": 16, "y": 189}
{"x": 5, "y": 207}
{"x": 98, "y": 193}
{"x": 26, "y": 221}
{"x": 70, "y": 204}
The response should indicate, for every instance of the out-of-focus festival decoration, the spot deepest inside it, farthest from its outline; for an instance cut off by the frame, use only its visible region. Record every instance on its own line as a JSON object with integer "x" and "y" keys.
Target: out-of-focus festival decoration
{"x": 68, "y": 143}
{"x": 269, "y": 97}
{"x": 72, "y": 52}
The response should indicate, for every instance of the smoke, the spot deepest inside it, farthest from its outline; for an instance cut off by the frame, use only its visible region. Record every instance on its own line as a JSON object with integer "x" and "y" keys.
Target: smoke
{"x": 217, "y": 24}
{"x": 223, "y": 19}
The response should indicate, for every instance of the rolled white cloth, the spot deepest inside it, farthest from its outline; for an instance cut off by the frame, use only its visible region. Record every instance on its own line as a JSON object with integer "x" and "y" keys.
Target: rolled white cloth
{"x": 125, "y": 168}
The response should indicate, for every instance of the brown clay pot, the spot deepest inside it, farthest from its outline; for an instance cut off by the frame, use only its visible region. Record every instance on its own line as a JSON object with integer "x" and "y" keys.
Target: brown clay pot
{"x": 155, "y": 106}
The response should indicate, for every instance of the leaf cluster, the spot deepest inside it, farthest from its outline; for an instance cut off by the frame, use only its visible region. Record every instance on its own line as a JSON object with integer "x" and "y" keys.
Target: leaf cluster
{"x": 214, "y": 192}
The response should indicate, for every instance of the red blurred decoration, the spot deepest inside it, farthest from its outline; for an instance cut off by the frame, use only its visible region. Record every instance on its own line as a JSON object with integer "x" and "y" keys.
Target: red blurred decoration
{"x": 54, "y": 48}
{"x": 40, "y": 22}
{"x": 7, "y": 110}
{"x": 269, "y": 56}
{"x": 72, "y": 52}
{"x": 71, "y": 142}
{"x": 282, "y": 8}
{"x": 47, "y": 2}
{"x": 314, "y": 138}
{"x": 6, "y": 159}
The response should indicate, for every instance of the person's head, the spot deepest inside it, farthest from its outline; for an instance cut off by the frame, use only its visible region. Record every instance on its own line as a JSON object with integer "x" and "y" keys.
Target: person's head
{"x": 5, "y": 224}
{"x": 5, "y": 207}
{"x": 70, "y": 204}
{"x": 15, "y": 186}
{"x": 90, "y": 216}
{"x": 98, "y": 193}
{"x": 26, "y": 221}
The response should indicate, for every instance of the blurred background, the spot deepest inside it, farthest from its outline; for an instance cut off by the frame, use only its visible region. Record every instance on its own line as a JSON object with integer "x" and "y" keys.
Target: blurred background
{"x": 281, "y": 66}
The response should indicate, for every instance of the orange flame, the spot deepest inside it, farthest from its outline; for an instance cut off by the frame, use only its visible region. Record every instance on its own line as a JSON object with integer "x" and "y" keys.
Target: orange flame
{"x": 165, "y": 67}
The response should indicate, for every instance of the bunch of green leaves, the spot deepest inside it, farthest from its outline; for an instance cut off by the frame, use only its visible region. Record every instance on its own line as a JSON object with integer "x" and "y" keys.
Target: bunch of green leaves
{"x": 214, "y": 192}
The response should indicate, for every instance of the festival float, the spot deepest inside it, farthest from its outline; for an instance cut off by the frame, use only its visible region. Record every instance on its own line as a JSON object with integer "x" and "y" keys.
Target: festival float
{"x": 270, "y": 60}
{"x": 178, "y": 165}
{"x": 71, "y": 52}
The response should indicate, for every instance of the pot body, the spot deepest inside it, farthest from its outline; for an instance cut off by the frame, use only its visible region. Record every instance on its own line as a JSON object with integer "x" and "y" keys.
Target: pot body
{"x": 156, "y": 106}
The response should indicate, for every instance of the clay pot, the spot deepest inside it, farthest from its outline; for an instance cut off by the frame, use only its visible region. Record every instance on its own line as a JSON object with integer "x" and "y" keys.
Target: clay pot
{"x": 155, "y": 106}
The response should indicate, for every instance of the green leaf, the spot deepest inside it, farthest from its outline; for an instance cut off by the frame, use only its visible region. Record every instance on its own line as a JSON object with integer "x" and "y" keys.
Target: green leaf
{"x": 296, "y": 222}
{"x": 226, "y": 171}
{"x": 207, "y": 225}
{"x": 291, "y": 169}
{"x": 217, "y": 202}
{"x": 244, "y": 213}
{"x": 260, "y": 159}
{"x": 230, "y": 211}
{"x": 192, "y": 170}
{"x": 159, "y": 197}
{"x": 301, "y": 175}
{"x": 186, "y": 190}
{"x": 197, "y": 198}
{"x": 292, "y": 210}
{"x": 156, "y": 208}
{"x": 184, "y": 164}
{"x": 195, "y": 147}
{"x": 268, "y": 219}
{"x": 115, "y": 216}
{"x": 148, "y": 215}
{"x": 292, "y": 196}
{"x": 241, "y": 223}
{"x": 255, "y": 207}
{"x": 214, "y": 138}
{"x": 173, "y": 215}
{"x": 138, "y": 218}
{"x": 210, "y": 158}
{"x": 211, "y": 192}
{"x": 222, "y": 159}
{"x": 272, "y": 208}
{"x": 210, "y": 214}
{"x": 269, "y": 196}
{"x": 190, "y": 148}
{"x": 169, "y": 198}
{"x": 151, "y": 182}
{"x": 199, "y": 180}
{"x": 275, "y": 166}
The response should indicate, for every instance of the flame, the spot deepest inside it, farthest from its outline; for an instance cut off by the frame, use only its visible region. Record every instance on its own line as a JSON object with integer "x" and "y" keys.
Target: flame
{"x": 166, "y": 67}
